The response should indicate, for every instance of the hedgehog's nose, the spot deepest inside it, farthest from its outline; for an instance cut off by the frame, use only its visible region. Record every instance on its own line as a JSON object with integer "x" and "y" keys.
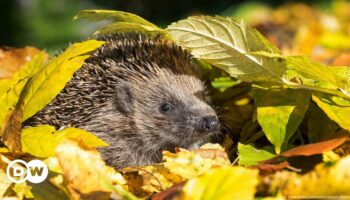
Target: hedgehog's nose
{"x": 210, "y": 123}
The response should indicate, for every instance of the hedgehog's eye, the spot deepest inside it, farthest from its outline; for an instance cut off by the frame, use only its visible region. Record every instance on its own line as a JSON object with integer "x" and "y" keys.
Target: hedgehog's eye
{"x": 166, "y": 107}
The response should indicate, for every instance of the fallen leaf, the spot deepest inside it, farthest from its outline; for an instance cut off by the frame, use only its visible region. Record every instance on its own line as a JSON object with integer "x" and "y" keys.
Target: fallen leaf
{"x": 4, "y": 182}
{"x": 173, "y": 193}
{"x": 315, "y": 148}
{"x": 11, "y": 130}
{"x": 12, "y": 89}
{"x": 12, "y": 59}
{"x": 325, "y": 181}
{"x": 48, "y": 82}
{"x": 225, "y": 183}
{"x": 86, "y": 174}
{"x": 147, "y": 180}
{"x": 311, "y": 149}
{"x": 41, "y": 141}
{"x": 189, "y": 164}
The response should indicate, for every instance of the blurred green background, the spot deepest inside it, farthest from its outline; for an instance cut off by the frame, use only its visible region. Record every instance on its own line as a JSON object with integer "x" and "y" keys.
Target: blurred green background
{"x": 47, "y": 24}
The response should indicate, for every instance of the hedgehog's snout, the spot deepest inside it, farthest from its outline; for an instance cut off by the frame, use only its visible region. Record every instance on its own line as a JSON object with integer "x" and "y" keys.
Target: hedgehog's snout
{"x": 210, "y": 124}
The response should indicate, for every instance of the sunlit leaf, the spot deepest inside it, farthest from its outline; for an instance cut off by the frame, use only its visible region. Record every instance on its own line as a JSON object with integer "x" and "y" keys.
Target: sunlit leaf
{"x": 10, "y": 89}
{"x": 4, "y": 182}
{"x": 129, "y": 27}
{"x": 325, "y": 180}
{"x": 115, "y": 16}
{"x": 303, "y": 73}
{"x": 86, "y": 174}
{"x": 249, "y": 155}
{"x": 146, "y": 180}
{"x": 23, "y": 190}
{"x": 279, "y": 112}
{"x": 225, "y": 43}
{"x": 336, "y": 108}
{"x": 47, "y": 83}
{"x": 41, "y": 141}
{"x": 121, "y": 22}
{"x": 223, "y": 184}
{"x": 245, "y": 54}
{"x": 189, "y": 164}
{"x": 223, "y": 83}
{"x": 11, "y": 130}
{"x": 318, "y": 76}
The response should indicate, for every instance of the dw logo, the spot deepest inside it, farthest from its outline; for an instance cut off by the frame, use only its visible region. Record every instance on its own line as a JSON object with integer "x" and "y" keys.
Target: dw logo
{"x": 35, "y": 171}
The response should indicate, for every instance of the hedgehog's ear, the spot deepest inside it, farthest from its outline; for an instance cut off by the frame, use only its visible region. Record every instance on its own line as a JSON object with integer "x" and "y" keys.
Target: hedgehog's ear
{"x": 124, "y": 98}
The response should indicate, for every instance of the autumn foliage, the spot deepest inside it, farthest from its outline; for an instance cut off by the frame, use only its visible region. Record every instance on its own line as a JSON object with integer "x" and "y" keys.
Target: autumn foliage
{"x": 284, "y": 103}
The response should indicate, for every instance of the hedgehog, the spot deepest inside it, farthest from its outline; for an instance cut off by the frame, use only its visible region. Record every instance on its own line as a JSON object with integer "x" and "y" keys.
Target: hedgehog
{"x": 138, "y": 93}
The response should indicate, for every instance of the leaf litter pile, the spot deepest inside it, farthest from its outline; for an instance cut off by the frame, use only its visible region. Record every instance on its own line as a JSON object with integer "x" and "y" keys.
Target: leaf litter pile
{"x": 283, "y": 94}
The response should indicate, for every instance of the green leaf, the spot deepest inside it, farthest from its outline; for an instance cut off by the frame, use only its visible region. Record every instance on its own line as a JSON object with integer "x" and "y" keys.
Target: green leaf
{"x": 41, "y": 141}
{"x": 245, "y": 54}
{"x": 227, "y": 44}
{"x": 48, "y": 82}
{"x": 115, "y": 16}
{"x": 10, "y": 89}
{"x": 279, "y": 112}
{"x": 128, "y": 27}
{"x": 306, "y": 74}
{"x": 223, "y": 184}
{"x": 223, "y": 83}
{"x": 336, "y": 108}
{"x": 249, "y": 155}
{"x": 122, "y": 22}
{"x": 316, "y": 76}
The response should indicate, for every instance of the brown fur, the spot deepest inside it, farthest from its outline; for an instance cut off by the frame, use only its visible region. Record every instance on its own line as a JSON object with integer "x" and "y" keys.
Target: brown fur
{"x": 117, "y": 95}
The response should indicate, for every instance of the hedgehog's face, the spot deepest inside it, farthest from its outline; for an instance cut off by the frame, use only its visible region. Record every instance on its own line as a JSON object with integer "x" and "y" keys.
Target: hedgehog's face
{"x": 173, "y": 110}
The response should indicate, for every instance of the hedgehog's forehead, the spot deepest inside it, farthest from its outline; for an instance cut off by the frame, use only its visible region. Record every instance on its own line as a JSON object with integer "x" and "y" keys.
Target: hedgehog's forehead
{"x": 167, "y": 82}
{"x": 176, "y": 83}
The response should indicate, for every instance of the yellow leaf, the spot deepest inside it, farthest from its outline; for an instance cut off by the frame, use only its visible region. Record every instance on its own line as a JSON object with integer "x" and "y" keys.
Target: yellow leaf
{"x": 86, "y": 174}
{"x": 114, "y": 15}
{"x": 129, "y": 27}
{"x": 326, "y": 180}
{"x": 189, "y": 164}
{"x": 10, "y": 89}
{"x": 336, "y": 108}
{"x": 223, "y": 184}
{"x": 11, "y": 130}
{"x": 144, "y": 181}
{"x": 121, "y": 22}
{"x": 41, "y": 141}
{"x": 23, "y": 191}
{"x": 4, "y": 182}
{"x": 48, "y": 82}
{"x": 280, "y": 113}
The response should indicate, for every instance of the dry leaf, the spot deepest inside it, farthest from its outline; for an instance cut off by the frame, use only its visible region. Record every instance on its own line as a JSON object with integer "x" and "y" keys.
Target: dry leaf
{"x": 12, "y": 59}
{"x": 84, "y": 171}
